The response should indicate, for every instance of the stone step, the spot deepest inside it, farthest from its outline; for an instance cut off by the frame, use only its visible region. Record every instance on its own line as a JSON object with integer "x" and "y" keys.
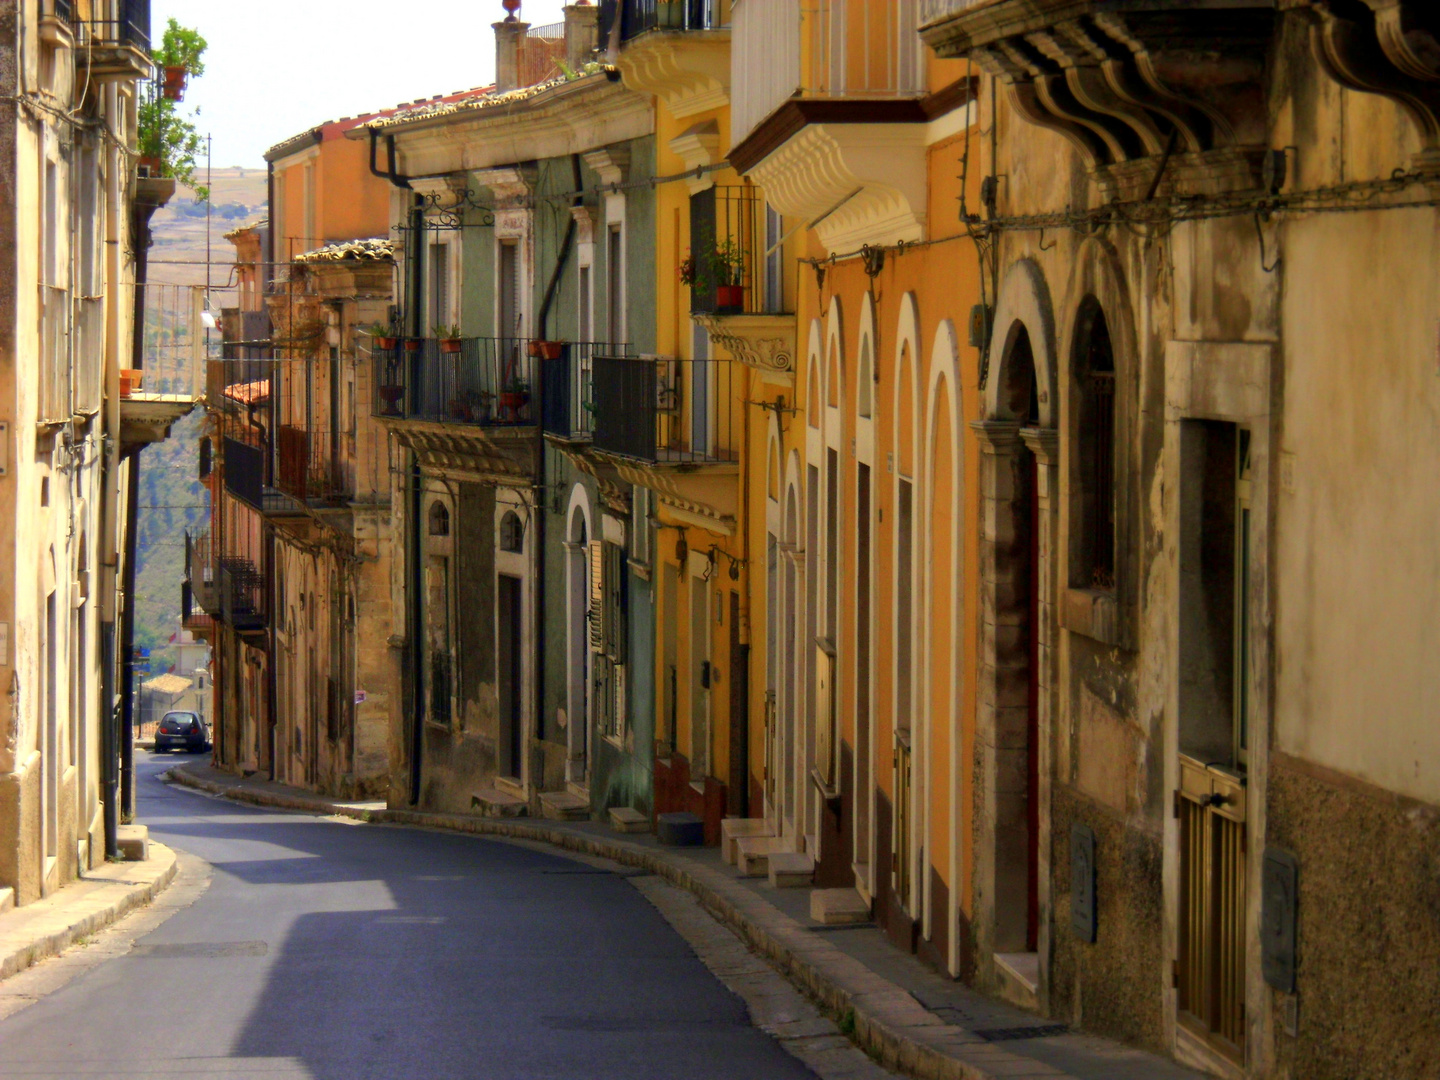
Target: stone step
{"x": 563, "y": 806}
{"x": 627, "y": 820}
{"x": 7, "y": 900}
{"x": 791, "y": 870}
{"x": 733, "y": 828}
{"x": 133, "y": 842}
{"x": 752, "y": 853}
{"x": 680, "y": 829}
{"x": 492, "y": 802}
{"x": 838, "y": 907}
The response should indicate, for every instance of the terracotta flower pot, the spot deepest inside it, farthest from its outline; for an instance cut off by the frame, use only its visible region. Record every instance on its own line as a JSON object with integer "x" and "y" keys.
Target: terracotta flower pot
{"x": 730, "y": 296}
{"x": 532, "y": 348}
{"x": 131, "y": 380}
{"x": 175, "y": 79}
{"x": 150, "y": 165}
{"x": 392, "y": 396}
{"x": 386, "y": 343}
{"x": 450, "y": 346}
{"x": 414, "y": 345}
{"x": 551, "y": 350}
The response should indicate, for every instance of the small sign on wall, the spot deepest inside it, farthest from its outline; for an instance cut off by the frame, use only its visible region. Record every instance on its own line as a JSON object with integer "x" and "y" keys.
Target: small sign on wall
{"x": 1082, "y": 883}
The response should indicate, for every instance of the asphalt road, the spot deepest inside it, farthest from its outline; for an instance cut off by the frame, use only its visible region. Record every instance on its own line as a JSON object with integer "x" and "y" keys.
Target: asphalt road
{"x": 326, "y": 951}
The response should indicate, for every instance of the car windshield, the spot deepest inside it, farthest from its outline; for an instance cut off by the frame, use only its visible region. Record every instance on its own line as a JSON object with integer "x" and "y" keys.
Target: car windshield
{"x": 178, "y": 720}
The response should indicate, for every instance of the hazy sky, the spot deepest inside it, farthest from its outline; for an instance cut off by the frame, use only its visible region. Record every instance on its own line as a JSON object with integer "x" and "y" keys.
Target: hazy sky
{"x": 277, "y": 67}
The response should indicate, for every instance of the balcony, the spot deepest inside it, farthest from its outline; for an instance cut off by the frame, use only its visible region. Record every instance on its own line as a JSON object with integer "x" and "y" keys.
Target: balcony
{"x": 735, "y": 274}
{"x": 167, "y": 384}
{"x": 199, "y": 586}
{"x": 310, "y": 468}
{"x": 472, "y": 410}
{"x": 1129, "y": 82}
{"x": 117, "y": 47}
{"x": 678, "y": 50}
{"x": 832, "y": 116}
{"x": 639, "y": 17}
{"x": 675, "y": 427}
{"x": 241, "y": 588}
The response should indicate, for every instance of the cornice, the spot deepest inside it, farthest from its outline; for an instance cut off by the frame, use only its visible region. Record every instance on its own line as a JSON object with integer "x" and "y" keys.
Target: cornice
{"x": 572, "y": 119}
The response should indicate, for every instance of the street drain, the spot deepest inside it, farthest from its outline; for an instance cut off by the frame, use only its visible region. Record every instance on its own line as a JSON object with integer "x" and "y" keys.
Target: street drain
{"x": 200, "y": 950}
{"x": 1015, "y": 1034}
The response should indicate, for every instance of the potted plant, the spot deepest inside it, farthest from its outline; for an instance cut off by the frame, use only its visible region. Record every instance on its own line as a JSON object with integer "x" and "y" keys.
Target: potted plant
{"x": 384, "y": 337}
{"x": 727, "y": 261}
{"x": 449, "y": 337}
{"x": 391, "y": 394}
{"x": 414, "y": 344}
{"x": 514, "y": 397}
{"x": 170, "y": 145}
{"x": 175, "y": 78}
{"x": 689, "y": 271}
{"x": 131, "y": 380}
{"x": 551, "y": 350}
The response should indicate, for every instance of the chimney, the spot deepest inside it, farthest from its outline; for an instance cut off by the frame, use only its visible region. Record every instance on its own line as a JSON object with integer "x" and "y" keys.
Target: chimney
{"x": 582, "y": 33}
{"x": 508, "y": 36}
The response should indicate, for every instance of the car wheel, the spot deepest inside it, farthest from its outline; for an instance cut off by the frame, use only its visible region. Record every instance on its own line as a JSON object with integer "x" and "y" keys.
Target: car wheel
{"x": 159, "y": 750}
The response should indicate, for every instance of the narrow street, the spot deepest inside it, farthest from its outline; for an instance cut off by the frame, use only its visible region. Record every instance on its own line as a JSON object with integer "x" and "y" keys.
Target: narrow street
{"x": 324, "y": 951}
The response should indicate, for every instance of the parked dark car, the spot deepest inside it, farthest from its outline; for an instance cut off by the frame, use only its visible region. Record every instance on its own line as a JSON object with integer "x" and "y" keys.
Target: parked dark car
{"x": 185, "y": 729}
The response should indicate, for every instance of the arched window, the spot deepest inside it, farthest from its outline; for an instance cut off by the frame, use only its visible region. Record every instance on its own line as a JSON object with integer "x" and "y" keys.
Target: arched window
{"x": 1094, "y": 364}
{"x": 439, "y": 519}
{"x": 512, "y": 533}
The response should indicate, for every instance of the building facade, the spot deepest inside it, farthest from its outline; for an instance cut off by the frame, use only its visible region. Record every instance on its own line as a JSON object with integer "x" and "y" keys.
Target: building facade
{"x": 1217, "y": 280}
{"x": 72, "y": 417}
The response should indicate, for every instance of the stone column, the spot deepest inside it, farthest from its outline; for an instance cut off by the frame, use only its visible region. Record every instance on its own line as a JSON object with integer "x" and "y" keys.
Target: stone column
{"x": 582, "y": 29}
{"x": 508, "y": 36}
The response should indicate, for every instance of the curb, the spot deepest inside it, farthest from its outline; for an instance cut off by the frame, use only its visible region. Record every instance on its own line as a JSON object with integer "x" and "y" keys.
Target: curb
{"x": 884, "y": 1021}
{"x": 54, "y": 942}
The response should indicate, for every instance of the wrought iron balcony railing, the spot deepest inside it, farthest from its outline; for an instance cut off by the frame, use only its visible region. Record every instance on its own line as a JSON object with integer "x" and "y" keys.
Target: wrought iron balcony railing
{"x": 568, "y": 383}
{"x": 486, "y": 382}
{"x": 128, "y": 24}
{"x": 242, "y": 594}
{"x": 642, "y": 16}
{"x": 199, "y": 586}
{"x": 666, "y": 412}
{"x": 309, "y": 466}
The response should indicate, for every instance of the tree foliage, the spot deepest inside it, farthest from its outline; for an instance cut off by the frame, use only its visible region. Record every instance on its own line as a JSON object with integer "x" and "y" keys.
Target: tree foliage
{"x": 166, "y": 133}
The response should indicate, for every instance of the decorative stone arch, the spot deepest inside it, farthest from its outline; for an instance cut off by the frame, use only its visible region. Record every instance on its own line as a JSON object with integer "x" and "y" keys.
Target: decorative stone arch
{"x": 814, "y": 365}
{"x": 792, "y": 753}
{"x": 1107, "y": 616}
{"x": 906, "y": 476}
{"x": 1019, "y": 448}
{"x": 865, "y": 363}
{"x": 579, "y": 534}
{"x": 943, "y": 615}
{"x": 439, "y": 636}
{"x": 859, "y": 665}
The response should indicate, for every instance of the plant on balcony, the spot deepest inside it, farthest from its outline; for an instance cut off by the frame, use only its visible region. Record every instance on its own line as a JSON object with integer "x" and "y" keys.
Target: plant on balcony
{"x": 414, "y": 344}
{"x": 718, "y": 265}
{"x": 449, "y": 337}
{"x": 514, "y": 397}
{"x": 551, "y": 350}
{"x": 384, "y": 336}
{"x": 170, "y": 143}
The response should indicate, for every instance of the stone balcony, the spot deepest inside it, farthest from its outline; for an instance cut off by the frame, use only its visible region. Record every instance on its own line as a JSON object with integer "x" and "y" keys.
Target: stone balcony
{"x": 1132, "y": 82}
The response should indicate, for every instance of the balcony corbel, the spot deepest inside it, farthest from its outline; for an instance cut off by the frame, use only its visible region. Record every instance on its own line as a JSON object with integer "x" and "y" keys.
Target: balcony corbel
{"x": 690, "y": 73}
{"x": 763, "y": 342}
{"x": 1385, "y": 47}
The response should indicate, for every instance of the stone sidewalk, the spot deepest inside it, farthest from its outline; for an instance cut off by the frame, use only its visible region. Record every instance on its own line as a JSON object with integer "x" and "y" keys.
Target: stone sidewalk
{"x": 48, "y": 927}
{"x": 899, "y": 1012}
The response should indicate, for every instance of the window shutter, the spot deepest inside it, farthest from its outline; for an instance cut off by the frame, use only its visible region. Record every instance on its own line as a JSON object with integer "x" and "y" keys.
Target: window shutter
{"x": 597, "y": 597}
{"x": 615, "y": 608}
{"x": 604, "y": 703}
{"x": 620, "y": 717}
